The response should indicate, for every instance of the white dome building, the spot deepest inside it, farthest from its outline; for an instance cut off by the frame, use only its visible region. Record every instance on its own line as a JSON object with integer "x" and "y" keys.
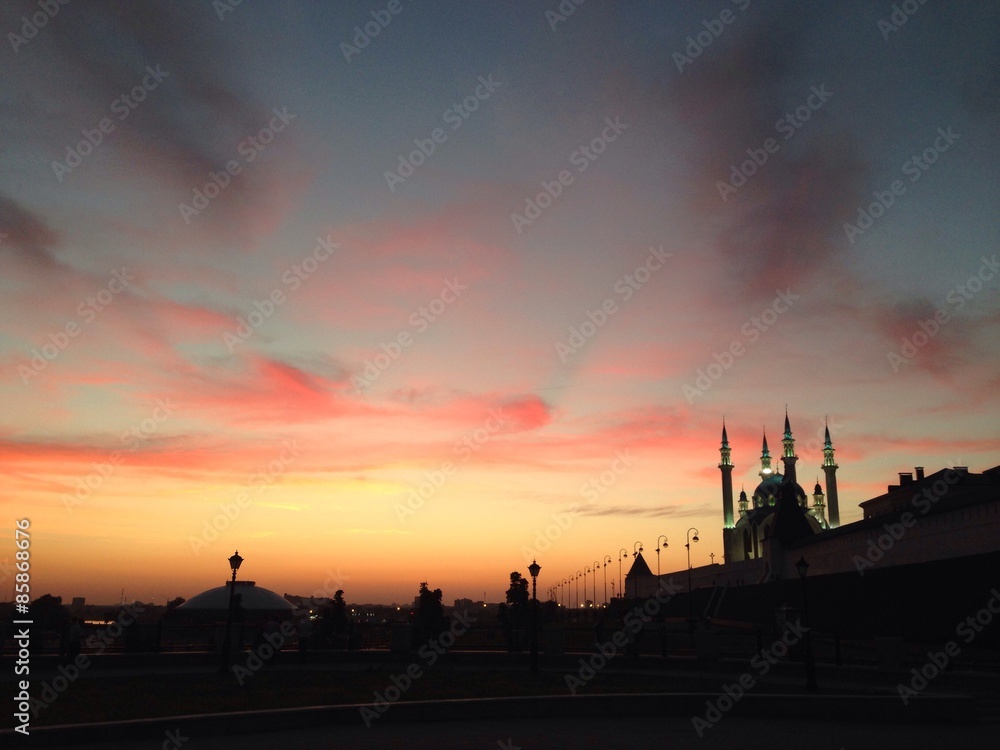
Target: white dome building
{"x": 254, "y": 602}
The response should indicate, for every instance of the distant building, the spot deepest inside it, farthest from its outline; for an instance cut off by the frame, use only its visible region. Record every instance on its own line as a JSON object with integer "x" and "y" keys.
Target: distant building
{"x": 76, "y": 608}
{"x": 951, "y": 513}
{"x": 253, "y": 603}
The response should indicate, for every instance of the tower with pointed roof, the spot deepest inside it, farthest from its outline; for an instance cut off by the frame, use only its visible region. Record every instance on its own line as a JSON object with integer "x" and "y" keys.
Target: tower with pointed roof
{"x": 778, "y": 512}
{"x": 765, "y": 459}
{"x": 726, "y": 467}
{"x": 830, "y": 469}
{"x": 788, "y": 457}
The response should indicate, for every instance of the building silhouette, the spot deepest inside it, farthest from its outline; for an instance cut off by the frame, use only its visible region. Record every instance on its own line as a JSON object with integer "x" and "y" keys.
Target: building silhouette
{"x": 951, "y": 513}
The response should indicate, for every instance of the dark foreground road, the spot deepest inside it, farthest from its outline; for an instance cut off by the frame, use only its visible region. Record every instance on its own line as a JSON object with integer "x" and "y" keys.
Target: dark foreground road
{"x": 596, "y": 732}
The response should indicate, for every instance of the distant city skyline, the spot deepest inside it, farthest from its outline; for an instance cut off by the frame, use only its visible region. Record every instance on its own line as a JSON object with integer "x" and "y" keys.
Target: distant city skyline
{"x": 393, "y": 292}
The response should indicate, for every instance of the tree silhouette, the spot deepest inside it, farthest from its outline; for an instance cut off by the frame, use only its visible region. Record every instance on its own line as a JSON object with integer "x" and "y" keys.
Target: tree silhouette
{"x": 430, "y": 612}
{"x": 334, "y": 623}
{"x": 48, "y": 612}
{"x": 514, "y": 614}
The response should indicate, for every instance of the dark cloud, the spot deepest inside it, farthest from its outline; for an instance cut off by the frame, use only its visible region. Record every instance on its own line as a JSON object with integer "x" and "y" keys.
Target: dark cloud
{"x": 192, "y": 121}
{"x": 779, "y": 226}
{"x": 25, "y": 235}
{"x": 643, "y": 511}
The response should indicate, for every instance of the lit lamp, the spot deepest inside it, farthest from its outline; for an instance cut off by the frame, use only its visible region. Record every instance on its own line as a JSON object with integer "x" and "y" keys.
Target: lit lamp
{"x": 607, "y": 559}
{"x": 803, "y": 568}
{"x": 636, "y": 549}
{"x": 534, "y": 569}
{"x": 234, "y": 564}
{"x": 664, "y": 538}
{"x": 690, "y": 598}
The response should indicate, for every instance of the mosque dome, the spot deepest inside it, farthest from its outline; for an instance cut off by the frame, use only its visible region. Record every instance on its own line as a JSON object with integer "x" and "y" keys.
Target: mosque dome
{"x": 767, "y": 491}
{"x": 253, "y": 600}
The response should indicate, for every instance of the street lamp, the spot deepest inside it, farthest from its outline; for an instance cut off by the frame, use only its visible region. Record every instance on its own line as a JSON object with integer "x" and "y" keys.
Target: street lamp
{"x": 664, "y": 538}
{"x": 803, "y": 567}
{"x": 690, "y": 599}
{"x": 579, "y": 574}
{"x": 534, "y": 570}
{"x": 636, "y": 549}
{"x": 234, "y": 564}
{"x": 621, "y": 590}
{"x": 585, "y": 571}
{"x": 605, "y": 561}
{"x": 596, "y": 566}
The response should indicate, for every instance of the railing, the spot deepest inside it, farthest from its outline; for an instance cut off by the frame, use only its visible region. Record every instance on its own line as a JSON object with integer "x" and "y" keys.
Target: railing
{"x": 672, "y": 640}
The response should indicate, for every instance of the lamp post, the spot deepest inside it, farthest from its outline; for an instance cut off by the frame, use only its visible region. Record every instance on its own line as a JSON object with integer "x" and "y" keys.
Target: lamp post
{"x": 621, "y": 589}
{"x": 534, "y": 570}
{"x": 607, "y": 559}
{"x": 690, "y": 599}
{"x": 664, "y": 538}
{"x": 579, "y": 575}
{"x": 227, "y": 640}
{"x": 597, "y": 565}
{"x": 636, "y": 549}
{"x": 803, "y": 567}
{"x": 586, "y": 570}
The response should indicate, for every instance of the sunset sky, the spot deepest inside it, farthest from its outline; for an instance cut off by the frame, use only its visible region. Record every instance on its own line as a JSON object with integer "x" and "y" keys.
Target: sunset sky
{"x": 522, "y": 259}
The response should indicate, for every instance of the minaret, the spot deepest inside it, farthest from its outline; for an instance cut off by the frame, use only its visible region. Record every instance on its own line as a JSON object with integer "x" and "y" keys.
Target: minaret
{"x": 788, "y": 457}
{"x": 726, "y": 467}
{"x": 765, "y": 459}
{"x": 743, "y": 503}
{"x": 818, "y": 508}
{"x": 830, "y": 469}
